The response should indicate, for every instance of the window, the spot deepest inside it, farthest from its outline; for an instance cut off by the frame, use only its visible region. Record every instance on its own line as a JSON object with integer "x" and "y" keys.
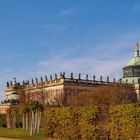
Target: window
{"x": 128, "y": 72}
{"x": 14, "y": 93}
{"x": 137, "y": 71}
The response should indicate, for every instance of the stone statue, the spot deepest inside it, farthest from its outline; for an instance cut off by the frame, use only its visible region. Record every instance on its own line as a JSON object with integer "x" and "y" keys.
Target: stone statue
{"x": 46, "y": 79}
{"x": 41, "y": 80}
{"x": 50, "y": 77}
{"x": 32, "y": 81}
{"x": 36, "y": 80}
{"x": 55, "y": 76}
{"x": 7, "y": 84}
{"x": 107, "y": 79}
{"x": 94, "y": 78}
{"x": 72, "y": 75}
{"x": 86, "y": 76}
{"x": 14, "y": 80}
{"x": 114, "y": 80}
{"x": 101, "y": 78}
{"x": 63, "y": 74}
{"x": 79, "y": 77}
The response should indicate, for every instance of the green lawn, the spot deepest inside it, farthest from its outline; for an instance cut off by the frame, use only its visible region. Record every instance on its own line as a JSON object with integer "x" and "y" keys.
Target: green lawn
{"x": 21, "y": 134}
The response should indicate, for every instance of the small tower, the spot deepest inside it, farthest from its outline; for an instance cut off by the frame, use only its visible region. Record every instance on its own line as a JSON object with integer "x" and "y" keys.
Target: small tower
{"x": 131, "y": 72}
{"x": 12, "y": 92}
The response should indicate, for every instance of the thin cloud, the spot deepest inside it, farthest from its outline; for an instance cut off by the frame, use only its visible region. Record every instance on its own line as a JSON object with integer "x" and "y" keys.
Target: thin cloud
{"x": 49, "y": 26}
{"x": 136, "y": 7}
{"x": 65, "y": 12}
{"x": 54, "y": 27}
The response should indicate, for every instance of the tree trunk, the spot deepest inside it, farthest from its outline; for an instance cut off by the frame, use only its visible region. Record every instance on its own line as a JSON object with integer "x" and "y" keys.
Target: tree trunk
{"x": 36, "y": 122}
{"x": 14, "y": 120}
{"x": 31, "y": 123}
{"x": 39, "y": 121}
{"x": 26, "y": 124}
{"x": 8, "y": 121}
{"x": 23, "y": 121}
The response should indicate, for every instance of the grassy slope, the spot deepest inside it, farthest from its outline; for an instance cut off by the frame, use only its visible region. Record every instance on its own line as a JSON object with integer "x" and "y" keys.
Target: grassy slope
{"x": 20, "y": 134}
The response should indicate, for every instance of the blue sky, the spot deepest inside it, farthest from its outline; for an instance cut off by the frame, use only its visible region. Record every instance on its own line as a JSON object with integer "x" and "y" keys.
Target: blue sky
{"x": 40, "y": 37}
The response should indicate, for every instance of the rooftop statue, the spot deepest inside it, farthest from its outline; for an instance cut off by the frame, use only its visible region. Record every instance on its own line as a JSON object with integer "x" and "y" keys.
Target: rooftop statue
{"x": 86, "y": 76}
{"x": 36, "y": 80}
{"x": 94, "y": 78}
{"x": 32, "y": 81}
{"x": 41, "y": 80}
{"x": 50, "y": 77}
{"x": 46, "y": 79}
{"x": 72, "y": 75}
{"x": 63, "y": 74}
{"x": 79, "y": 77}
{"x": 14, "y": 81}
{"x": 55, "y": 76}
{"x": 101, "y": 78}
{"x": 7, "y": 84}
{"x": 107, "y": 79}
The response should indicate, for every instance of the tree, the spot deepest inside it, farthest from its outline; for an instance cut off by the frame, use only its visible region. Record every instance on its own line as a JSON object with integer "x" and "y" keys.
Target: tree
{"x": 106, "y": 95}
{"x": 32, "y": 112}
{"x": 8, "y": 118}
{"x": 25, "y": 117}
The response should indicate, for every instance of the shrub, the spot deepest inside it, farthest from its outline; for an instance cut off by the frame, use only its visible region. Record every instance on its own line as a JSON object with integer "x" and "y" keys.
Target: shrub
{"x": 72, "y": 123}
{"x": 87, "y": 123}
{"x": 124, "y": 122}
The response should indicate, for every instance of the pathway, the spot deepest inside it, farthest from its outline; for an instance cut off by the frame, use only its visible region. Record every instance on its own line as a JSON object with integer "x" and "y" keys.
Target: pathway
{"x": 8, "y": 139}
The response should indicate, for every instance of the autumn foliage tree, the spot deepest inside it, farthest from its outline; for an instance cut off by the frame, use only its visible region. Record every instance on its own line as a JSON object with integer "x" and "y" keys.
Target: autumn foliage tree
{"x": 106, "y": 95}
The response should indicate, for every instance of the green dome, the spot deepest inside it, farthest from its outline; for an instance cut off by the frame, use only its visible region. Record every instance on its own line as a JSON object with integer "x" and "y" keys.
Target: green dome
{"x": 131, "y": 72}
{"x": 134, "y": 61}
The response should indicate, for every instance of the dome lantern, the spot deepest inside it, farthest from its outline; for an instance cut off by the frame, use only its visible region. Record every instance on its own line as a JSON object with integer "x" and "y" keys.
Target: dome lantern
{"x": 137, "y": 50}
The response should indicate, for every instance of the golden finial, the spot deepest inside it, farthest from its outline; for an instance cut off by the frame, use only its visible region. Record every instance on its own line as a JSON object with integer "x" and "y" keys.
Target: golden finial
{"x": 137, "y": 45}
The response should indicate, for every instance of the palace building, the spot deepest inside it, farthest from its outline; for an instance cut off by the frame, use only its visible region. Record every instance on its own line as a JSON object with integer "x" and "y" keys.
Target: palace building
{"x": 61, "y": 89}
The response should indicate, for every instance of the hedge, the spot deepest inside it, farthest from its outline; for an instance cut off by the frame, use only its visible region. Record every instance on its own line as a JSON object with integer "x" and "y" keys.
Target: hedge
{"x": 124, "y": 122}
{"x": 85, "y": 123}
{"x": 71, "y": 123}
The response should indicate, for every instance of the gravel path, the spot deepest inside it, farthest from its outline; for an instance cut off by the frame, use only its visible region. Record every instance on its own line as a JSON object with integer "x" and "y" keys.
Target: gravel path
{"x": 22, "y": 139}
{"x": 8, "y": 139}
